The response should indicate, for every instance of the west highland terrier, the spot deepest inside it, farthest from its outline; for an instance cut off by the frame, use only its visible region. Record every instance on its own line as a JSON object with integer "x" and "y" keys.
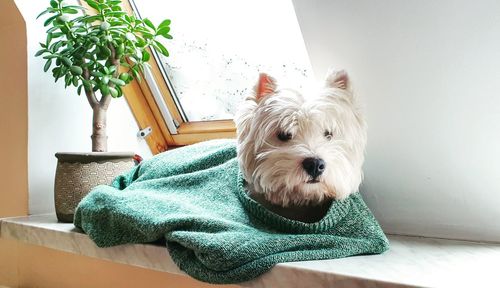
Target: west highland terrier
{"x": 300, "y": 151}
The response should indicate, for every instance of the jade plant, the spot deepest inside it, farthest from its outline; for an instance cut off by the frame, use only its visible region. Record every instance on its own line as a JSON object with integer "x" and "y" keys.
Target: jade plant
{"x": 99, "y": 52}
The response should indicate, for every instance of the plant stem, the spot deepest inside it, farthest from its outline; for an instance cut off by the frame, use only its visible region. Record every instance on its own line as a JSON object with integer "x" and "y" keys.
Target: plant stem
{"x": 99, "y": 137}
{"x": 100, "y": 108}
{"x": 90, "y": 93}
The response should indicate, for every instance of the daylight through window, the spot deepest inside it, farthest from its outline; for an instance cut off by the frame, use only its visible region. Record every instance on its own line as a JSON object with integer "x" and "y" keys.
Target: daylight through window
{"x": 219, "y": 47}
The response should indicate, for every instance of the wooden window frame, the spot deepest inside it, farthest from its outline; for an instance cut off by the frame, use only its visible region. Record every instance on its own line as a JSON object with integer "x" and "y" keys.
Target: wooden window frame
{"x": 147, "y": 113}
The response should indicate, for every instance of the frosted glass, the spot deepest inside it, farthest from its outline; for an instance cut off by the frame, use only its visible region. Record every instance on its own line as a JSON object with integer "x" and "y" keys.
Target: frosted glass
{"x": 219, "y": 47}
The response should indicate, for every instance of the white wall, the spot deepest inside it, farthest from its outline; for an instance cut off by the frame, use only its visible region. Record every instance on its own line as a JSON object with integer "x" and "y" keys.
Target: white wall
{"x": 429, "y": 74}
{"x": 60, "y": 120}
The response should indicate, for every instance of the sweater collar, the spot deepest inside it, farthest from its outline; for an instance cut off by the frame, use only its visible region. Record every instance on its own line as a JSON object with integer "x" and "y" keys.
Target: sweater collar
{"x": 335, "y": 214}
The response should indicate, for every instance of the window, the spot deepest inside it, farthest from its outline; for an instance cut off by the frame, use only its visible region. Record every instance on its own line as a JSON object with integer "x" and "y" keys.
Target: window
{"x": 219, "y": 47}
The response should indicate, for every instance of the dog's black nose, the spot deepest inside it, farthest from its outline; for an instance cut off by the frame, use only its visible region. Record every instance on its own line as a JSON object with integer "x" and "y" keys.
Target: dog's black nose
{"x": 314, "y": 166}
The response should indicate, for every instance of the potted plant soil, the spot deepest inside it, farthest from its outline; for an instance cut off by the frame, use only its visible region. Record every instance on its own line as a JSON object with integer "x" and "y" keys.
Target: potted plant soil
{"x": 98, "y": 53}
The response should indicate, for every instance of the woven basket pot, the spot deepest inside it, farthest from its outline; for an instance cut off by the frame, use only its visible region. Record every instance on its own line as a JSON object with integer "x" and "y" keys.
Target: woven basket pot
{"x": 78, "y": 173}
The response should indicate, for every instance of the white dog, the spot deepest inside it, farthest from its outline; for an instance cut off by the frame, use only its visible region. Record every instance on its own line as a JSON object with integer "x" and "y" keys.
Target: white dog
{"x": 301, "y": 150}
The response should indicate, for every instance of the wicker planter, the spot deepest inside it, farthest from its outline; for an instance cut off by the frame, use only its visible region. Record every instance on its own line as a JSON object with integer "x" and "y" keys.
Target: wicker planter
{"x": 78, "y": 173}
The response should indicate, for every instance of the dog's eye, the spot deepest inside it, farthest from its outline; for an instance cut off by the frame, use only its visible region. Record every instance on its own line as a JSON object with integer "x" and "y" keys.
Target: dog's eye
{"x": 328, "y": 135}
{"x": 284, "y": 136}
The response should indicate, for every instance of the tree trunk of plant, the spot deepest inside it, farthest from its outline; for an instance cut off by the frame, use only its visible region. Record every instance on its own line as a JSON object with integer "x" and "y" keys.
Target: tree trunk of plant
{"x": 99, "y": 137}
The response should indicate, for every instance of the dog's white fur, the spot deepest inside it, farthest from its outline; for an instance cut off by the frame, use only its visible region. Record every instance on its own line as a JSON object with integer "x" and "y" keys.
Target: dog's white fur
{"x": 274, "y": 167}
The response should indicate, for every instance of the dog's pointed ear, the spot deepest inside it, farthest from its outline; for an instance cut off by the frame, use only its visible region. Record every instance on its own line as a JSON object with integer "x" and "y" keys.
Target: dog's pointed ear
{"x": 337, "y": 79}
{"x": 265, "y": 86}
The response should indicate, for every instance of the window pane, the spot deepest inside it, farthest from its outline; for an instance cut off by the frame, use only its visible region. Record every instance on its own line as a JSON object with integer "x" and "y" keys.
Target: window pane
{"x": 219, "y": 47}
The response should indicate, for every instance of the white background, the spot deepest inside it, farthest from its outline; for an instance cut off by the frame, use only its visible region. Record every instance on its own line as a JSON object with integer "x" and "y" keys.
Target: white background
{"x": 61, "y": 121}
{"x": 429, "y": 74}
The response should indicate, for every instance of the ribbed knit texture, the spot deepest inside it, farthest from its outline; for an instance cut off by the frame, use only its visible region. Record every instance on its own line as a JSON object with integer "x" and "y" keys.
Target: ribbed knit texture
{"x": 194, "y": 197}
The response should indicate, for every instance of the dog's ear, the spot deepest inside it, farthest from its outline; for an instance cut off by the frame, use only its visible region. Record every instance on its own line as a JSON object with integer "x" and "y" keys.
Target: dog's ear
{"x": 265, "y": 86}
{"x": 337, "y": 79}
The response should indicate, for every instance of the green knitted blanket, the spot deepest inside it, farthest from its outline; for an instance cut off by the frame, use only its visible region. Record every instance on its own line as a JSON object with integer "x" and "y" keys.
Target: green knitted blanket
{"x": 194, "y": 197}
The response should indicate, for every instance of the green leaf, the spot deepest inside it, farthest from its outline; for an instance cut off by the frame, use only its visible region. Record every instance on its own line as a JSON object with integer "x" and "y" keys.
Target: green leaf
{"x": 161, "y": 48}
{"x": 136, "y": 73}
{"x": 96, "y": 74}
{"x": 49, "y": 38}
{"x": 90, "y": 19}
{"x": 57, "y": 34}
{"x": 116, "y": 14}
{"x": 79, "y": 90}
{"x": 149, "y": 23}
{"x": 93, "y": 4}
{"x": 69, "y": 10}
{"x": 101, "y": 6}
{"x": 67, "y": 80}
{"x": 50, "y": 20}
{"x": 50, "y": 56}
{"x": 87, "y": 85}
{"x": 47, "y": 65}
{"x": 145, "y": 56}
{"x": 76, "y": 70}
{"x": 58, "y": 45}
{"x": 104, "y": 89}
{"x": 66, "y": 61}
{"x": 75, "y": 7}
{"x": 113, "y": 92}
{"x": 63, "y": 28}
{"x": 124, "y": 77}
{"x": 120, "y": 92}
{"x": 140, "y": 42}
{"x": 52, "y": 29}
{"x": 165, "y": 23}
{"x": 106, "y": 51}
{"x": 75, "y": 81}
{"x": 48, "y": 10}
{"x": 53, "y": 4}
{"x": 167, "y": 36}
{"x": 117, "y": 82}
{"x": 163, "y": 31}
{"x": 40, "y": 52}
{"x": 120, "y": 49}
{"x": 105, "y": 79}
{"x": 124, "y": 64}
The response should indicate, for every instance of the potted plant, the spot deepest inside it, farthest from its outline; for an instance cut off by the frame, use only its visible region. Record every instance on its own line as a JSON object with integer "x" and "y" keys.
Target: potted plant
{"x": 98, "y": 54}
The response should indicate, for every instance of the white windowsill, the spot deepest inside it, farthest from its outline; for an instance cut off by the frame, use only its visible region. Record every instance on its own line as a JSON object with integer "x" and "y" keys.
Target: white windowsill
{"x": 410, "y": 262}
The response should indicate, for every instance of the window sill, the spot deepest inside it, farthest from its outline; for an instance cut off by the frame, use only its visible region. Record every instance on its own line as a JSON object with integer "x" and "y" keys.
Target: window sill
{"x": 411, "y": 261}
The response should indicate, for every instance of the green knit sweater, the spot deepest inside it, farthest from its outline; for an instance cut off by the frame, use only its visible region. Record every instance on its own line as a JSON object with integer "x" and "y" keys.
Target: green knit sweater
{"x": 194, "y": 198}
